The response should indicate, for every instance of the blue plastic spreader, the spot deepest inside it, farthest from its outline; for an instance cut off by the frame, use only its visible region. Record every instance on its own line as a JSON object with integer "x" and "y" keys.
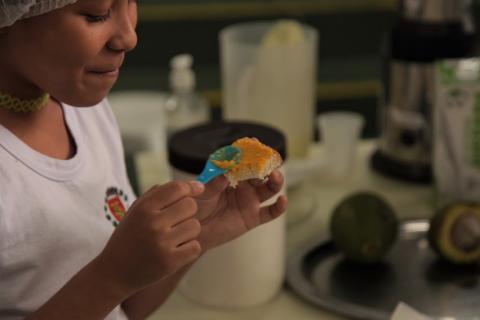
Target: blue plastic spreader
{"x": 227, "y": 153}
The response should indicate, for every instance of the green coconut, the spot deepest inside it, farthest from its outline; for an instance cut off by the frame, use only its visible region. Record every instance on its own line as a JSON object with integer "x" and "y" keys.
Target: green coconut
{"x": 454, "y": 233}
{"x": 364, "y": 227}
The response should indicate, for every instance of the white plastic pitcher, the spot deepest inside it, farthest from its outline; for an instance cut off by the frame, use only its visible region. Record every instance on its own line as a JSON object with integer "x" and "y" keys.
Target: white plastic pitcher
{"x": 269, "y": 75}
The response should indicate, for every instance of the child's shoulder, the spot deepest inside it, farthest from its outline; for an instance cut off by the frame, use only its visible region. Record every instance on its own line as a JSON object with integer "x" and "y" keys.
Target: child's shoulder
{"x": 99, "y": 117}
{"x": 101, "y": 110}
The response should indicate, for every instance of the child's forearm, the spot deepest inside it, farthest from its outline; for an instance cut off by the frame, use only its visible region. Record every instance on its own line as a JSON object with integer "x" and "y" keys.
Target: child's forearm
{"x": 91, "y": 294}
{"x": 145, "y": 302}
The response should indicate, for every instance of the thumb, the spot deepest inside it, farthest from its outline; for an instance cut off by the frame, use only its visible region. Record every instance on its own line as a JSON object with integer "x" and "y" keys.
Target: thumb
{"x": 214, "y": 187}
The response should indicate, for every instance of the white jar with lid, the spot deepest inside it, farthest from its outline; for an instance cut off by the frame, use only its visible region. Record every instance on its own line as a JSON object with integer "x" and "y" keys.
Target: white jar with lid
{"x": 250, "y": 269}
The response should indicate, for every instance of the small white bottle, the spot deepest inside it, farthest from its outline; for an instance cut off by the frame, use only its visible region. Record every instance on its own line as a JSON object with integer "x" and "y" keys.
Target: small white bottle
{"x": 184, "y": 107}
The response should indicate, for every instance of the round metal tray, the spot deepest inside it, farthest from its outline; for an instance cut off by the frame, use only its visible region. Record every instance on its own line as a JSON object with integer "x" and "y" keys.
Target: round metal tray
{"x": 410, "y": 273}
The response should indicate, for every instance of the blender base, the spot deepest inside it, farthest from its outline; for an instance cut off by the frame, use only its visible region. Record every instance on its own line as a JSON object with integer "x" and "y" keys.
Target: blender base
{"x": 392, "y": 168}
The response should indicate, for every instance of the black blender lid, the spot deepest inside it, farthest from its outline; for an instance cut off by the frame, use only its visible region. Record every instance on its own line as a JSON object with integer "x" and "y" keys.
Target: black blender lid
{"x": 189, "y": 149}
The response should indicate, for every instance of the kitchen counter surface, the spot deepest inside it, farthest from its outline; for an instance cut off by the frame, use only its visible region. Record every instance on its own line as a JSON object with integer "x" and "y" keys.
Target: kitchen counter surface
{"x": 317, "y": 193}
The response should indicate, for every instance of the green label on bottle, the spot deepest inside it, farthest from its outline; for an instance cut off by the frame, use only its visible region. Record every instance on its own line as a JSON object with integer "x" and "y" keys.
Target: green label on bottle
{"x": 476, "y": 132}
{"x": 447, "y": 72}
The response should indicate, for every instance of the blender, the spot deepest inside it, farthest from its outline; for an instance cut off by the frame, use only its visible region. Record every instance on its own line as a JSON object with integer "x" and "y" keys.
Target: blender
{"x": 425, "y": 32}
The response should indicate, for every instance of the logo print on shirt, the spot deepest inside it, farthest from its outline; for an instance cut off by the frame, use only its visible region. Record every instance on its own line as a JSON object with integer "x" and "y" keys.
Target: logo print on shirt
{"x": 115, "y": 205}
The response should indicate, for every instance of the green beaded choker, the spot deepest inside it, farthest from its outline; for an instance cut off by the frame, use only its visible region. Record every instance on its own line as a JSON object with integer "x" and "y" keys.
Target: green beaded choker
{"x": 14, "y": 104}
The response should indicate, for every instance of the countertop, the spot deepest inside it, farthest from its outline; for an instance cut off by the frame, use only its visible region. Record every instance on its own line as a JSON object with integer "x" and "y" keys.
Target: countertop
{"x": 310, "y": 203}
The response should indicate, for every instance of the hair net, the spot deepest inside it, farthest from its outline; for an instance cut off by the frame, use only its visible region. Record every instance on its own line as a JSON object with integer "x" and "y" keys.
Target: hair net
{"x": 13, "y": 10}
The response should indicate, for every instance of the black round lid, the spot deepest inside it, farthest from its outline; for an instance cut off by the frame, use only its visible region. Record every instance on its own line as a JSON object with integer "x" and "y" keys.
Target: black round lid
{"x": 189, "y": 149}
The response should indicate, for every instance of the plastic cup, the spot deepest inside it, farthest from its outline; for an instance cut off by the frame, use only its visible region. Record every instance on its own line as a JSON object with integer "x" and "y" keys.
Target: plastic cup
{"x": 340, "y": 131}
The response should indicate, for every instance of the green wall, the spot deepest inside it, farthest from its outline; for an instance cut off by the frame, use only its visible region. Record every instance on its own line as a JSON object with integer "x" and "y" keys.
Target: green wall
{"x": 349, "y": 60}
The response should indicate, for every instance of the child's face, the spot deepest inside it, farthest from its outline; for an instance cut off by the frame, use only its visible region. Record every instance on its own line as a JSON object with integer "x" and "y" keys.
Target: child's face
{"x": 73, "y": 53}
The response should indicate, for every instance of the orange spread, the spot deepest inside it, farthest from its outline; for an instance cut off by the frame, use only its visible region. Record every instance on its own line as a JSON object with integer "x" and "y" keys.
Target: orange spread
{"x": 255, "y": 155}
{"x": 225, "y": 164}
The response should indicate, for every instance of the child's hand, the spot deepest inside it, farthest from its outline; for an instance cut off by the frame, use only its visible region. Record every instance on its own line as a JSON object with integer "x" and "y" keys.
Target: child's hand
{"x": 226, "y": 213}
{"x": 156, "y": 238}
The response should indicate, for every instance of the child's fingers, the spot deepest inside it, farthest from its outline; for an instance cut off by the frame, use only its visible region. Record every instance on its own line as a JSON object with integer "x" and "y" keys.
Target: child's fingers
{"x": 213, "y": 188}
{"x": 271, "y": 212}
{"x": 188, "y": 252}
{"x": 179, "y": 211}
{"x": 186, "y": 231}
{"x": 257, "y": 182}
{"x": 269, "y": 188}
{"x": 165, "y": 195}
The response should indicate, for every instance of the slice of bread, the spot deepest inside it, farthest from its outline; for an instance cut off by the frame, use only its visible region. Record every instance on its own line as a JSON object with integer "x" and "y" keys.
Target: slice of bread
{"x": 257, "y": 162}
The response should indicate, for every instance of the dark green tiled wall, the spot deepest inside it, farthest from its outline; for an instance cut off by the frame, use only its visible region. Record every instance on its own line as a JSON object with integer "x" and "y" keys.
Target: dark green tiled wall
{"x": 346, "y": 35}
{"x": 349, "y": 49}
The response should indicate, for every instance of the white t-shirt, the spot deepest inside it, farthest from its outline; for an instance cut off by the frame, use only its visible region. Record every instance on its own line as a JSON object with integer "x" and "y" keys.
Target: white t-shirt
{"x": 57, "y": 215}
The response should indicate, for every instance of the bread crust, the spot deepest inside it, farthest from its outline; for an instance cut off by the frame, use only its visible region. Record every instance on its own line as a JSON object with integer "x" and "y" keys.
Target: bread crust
{"x": 257, "y": 162}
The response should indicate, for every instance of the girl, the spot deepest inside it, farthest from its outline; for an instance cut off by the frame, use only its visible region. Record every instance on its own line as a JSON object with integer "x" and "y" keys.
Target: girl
{"x": 73, "y": 242}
